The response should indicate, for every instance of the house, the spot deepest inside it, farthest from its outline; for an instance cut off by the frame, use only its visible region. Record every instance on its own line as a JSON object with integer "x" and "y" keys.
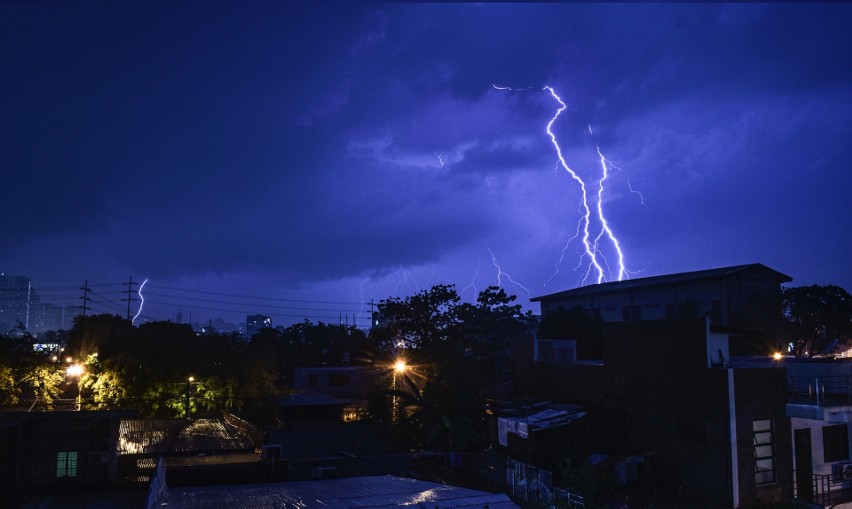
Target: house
{"x": 719, "y": 293}
{"x": 355, "y": 492}
{"x": 346, "y": 382}
{"x": 819, "y": 406}
{"x": 717, "y": 432}
{"x": 60, "y": 451}
{"x": 308, "y": 409}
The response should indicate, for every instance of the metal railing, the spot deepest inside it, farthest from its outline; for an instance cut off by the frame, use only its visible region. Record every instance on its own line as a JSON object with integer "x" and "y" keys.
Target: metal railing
{"x": 820, "y": 390}
{"x": 825, "y": 489}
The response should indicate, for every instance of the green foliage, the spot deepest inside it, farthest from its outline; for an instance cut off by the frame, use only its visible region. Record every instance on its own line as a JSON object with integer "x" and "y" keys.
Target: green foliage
{"x": 44, "y": 380}
{"x": 456, "y": 350}
{"x": 102, "y": 387}
{"x": 9, "y": 390}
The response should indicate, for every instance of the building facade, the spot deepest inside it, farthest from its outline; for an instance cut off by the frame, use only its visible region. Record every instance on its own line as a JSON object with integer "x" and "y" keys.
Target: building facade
{"x": 720, "y": 294}
{"x": 715, "y": 432}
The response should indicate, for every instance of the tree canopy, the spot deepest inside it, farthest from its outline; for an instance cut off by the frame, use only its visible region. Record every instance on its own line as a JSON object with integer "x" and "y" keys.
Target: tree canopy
{"x": 453, "y": 351}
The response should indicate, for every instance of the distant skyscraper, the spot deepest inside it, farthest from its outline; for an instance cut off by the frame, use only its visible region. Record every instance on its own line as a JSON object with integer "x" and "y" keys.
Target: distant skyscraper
{"x": 45, "y": 317}
{"x": 15, "y": 298}
{"x": 256, "y": 322}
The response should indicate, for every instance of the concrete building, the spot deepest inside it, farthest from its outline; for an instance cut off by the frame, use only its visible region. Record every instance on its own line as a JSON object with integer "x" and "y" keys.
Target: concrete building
{"x": 716, "y": 293}
{"x": 715, "y": 432}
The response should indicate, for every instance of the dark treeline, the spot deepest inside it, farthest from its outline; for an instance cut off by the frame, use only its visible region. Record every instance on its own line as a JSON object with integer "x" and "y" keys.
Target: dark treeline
{"x": 453, "y": 352}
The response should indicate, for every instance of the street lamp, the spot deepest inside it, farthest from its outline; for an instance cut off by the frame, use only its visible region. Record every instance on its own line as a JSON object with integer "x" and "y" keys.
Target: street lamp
{"x": 188, "y": 387}
{"x": 399, "y": 368}
{"x": 76, "y": 371}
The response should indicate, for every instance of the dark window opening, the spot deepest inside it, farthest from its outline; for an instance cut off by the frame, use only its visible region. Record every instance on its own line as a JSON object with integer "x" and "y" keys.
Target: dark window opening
{"x": 835, "y": 442}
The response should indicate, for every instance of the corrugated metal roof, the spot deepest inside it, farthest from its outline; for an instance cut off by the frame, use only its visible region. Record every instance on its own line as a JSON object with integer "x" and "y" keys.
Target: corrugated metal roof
{"x": 355, "y": 492}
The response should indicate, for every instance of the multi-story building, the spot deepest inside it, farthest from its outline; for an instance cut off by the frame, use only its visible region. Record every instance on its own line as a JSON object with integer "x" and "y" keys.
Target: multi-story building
{"x": 44, "y": 317}
{"x": 16, "y": 296}
{"x": 699, "y": 425}
{"x": 719, "y": 294}
{"x": 256, "y": 322}
{"x": 707, "y": 426}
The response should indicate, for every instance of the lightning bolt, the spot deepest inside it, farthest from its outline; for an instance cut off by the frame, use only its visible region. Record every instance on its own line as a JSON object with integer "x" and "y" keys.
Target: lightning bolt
{"x": 472, "y": 284}
{"x": 406, "y": 277}
{"x": 500, "y": 275}
{"x": 141, "y": 301}
{"x": 592, "y": 247}
{"x": 441, "y": 159}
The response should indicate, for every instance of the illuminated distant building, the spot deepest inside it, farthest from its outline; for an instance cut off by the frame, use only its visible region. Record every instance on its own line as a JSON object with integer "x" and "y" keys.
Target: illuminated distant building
{"x": 15, "y": 299}
{"x": 256, "y": 322}
{"x": 45, "y": 317}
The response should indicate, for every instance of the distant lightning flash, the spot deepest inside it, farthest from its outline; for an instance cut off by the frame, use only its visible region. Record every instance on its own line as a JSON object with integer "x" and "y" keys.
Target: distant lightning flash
{"x": 629, "y": 185}
{"x": 472, "y": 284}
{"x": 592, "y": 248}
{"x": 142, "y": 301}
{"x": 500, "y": 275}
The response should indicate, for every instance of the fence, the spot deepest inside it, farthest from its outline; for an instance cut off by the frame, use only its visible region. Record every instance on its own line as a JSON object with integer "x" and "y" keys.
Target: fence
{"x": 534, "y": 485}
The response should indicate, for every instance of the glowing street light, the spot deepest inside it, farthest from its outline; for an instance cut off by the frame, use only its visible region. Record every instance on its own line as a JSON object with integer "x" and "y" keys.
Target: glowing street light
{"x": 188, "y": 388}
{"x": 777, "y": 356}
{"x": 76, "y": 371}
{"x": 400, "y": 366}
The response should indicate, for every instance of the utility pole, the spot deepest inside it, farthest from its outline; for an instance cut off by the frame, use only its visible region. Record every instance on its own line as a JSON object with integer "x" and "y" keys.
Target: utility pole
{"x": 129, "y": 298}
{"x": 85, "y": 298}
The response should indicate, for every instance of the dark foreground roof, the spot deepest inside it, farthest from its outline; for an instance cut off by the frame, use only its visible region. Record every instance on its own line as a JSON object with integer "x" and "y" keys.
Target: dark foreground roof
{"x": 376, "y": 492}
{"x": 666, "y": 279}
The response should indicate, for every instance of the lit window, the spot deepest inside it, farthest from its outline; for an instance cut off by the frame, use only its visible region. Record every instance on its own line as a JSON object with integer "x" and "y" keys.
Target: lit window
{"x": 764, "y": 452}
{"x": 66, "y": 464}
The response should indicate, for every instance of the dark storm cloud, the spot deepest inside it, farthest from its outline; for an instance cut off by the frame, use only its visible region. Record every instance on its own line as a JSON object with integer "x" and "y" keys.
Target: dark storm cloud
{"x": 304, "y": 143}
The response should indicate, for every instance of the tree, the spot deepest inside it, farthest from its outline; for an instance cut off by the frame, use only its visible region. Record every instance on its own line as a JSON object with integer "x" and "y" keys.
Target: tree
{"x": 456, "y": 349}
{"x": 818, "y": 317}
{"x": 44, "y": 380}
{"x": 488, "y": 328}
{"x": 9, "y": 390}
{"x": 90, "y": 333}
{"x": 103, "y": 386}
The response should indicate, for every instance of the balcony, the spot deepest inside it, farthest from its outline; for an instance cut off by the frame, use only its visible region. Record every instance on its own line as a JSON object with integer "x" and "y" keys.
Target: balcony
{"x": 820, "y": 397}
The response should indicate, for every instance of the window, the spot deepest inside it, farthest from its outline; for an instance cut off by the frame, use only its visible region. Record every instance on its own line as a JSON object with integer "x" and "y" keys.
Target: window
{"x": 66, "y": 464}
{"x": 312, "y": 380}
{"x": 835, "y": 442}
{"x": 764, "y": 452}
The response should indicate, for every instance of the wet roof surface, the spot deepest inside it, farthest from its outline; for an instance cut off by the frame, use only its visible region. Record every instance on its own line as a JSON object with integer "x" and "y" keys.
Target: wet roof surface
{"x": 355, "y": 492}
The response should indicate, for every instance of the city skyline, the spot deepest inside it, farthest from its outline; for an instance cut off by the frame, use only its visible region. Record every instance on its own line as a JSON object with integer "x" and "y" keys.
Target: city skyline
{"x": 317, "y": 158}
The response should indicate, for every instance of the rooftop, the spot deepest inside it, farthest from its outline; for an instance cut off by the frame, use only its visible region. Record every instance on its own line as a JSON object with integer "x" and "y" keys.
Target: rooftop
{"x": 665, "y": 279}
{"x": 375, "y": 492}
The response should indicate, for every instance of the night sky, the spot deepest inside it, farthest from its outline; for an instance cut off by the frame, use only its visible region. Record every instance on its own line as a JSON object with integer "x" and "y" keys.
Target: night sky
{"x": 300, "y": 160}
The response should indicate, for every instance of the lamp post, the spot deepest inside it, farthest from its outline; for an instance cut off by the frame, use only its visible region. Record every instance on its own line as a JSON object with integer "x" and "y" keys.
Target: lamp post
{"x": 188, "y": 387}
{"x": 76, "y": 371}
{"x": 399, "y": 368}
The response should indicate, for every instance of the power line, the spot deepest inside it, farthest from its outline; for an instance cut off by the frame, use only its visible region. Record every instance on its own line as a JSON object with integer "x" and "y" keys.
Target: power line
{"x": 252, "y": 296}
